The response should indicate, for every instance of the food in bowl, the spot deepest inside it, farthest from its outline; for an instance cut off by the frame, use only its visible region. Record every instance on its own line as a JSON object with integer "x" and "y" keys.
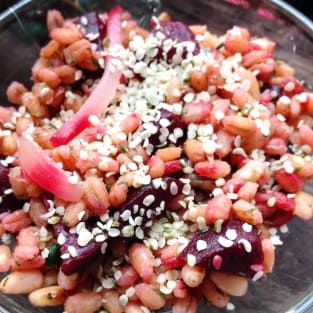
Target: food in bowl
{"x": 146, "y": 170}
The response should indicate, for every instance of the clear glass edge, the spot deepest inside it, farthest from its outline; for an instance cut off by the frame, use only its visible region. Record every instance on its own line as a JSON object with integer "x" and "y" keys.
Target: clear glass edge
{"x": 306, "y": 304}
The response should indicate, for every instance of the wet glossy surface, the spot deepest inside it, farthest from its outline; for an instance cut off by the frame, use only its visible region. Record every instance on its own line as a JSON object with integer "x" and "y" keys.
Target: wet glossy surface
{"x": 292, "y": 280}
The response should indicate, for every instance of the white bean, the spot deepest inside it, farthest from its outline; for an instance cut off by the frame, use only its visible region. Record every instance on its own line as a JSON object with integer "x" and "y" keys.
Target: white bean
{"x": 20, "y": 282}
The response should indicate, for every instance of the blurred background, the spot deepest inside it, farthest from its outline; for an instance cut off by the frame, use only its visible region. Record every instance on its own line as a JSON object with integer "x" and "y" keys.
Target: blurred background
{"x": 305, "y": 6}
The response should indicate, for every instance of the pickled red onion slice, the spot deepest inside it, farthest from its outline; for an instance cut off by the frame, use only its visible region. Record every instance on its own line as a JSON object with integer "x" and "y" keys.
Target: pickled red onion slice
{"x": 45, "y": 172}
{"x": 103, "y": 93}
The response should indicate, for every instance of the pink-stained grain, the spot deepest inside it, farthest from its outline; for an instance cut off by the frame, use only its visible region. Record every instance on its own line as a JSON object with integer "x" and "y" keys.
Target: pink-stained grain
{"x": 139, "y": 254}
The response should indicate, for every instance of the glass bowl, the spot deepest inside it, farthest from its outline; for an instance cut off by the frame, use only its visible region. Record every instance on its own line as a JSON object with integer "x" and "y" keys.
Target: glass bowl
{"x": 289, "y": 289}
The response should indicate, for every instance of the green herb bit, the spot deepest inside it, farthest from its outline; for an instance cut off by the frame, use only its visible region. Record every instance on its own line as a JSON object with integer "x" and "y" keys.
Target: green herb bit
{"x": 4, "y": 281}
{"x": 252, "y": 209}
{"x": 123, "y": 148}
{"x": 54, "y": 253}
{"x": 158, "y": 292}
{"x": 220, "y": 45}
{"x": 50, "y": 296}
{"x": 204, "y": 229}
{"x": 218, "y": 225}
{"x": 106, "y": 42}
{"x": 123, "y": 182}
{"x": 162, "y": 145}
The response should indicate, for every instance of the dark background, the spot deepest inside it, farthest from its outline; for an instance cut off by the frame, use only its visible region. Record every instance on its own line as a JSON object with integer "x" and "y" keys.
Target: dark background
{"x": 305, "y": 6}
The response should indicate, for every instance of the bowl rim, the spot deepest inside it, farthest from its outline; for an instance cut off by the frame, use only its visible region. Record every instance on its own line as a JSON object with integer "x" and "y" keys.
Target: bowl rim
{"x": 291, "y": 12}
{"x": 300, "y": 19}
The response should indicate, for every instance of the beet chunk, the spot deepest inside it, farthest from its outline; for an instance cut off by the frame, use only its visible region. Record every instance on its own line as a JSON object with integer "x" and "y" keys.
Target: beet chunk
{"x": 95, "y": 29}
{"x": 149, "y": 202}
{"x": 9, "y": 202}
{"x": 235, "y": 259}
{"x": 4, "y": 179}
{"x": 180, "y": 32}
{"x": 176, "y": 122}
{"x": 85, "y": 255}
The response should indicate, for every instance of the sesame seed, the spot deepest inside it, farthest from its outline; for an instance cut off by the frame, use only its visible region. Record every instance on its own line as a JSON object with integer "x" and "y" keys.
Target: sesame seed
{"x": 81, "y": 215}
{"x": 26, "y": 207}
{"x": 130, "y": 291}
{"x": 100, "y": 238}
{"x": 65, "y": 256}
{"x": 72, "y": 251}
{"x": 230, "y": 307}
{"x": 161, "y": 279}
{"x": 117, "y": 275}
{"x": 128, "y": 231}
{"x": 186, "y": 189}
{"x": 61, "y": 239}
{"x": 125, "y": 215}
{"x": 271, "y": 201}
{"x": 290, "y": 86}
{"x": 217, "y": 191}
{"x": 281, "y": 118}
{"x": 258, "y": 275}
{"x": 189, "y": 97}
{"x": 173, "y": 188}
{"x": 276, "y": 241}
{"x": 284, "y": 229}
{"x": 165, "y": 290}
{"x": 84, "y": 20}
{"x": 45, "y": 253}
{"x": 123, "y": 300}
{"x": 171, "y": 284}
{"x": 8, "y": 191}
{"x": 232, "y": 196}
{"x": 144, "y": 309}
{"x": 191, "y": 260}
{"x": 219, "y": 115}
{"x": 246, "y": 244}
{"x": 108, "y": 283}
{"x": 247, "y": 227}
{"x": 114, "y": 232}
{"x": 201, "y": 245}
{"x": 231, "y": 234}
{"x": 54, "y": 220}
{"x": 224, "y": 242}
{"x": 94, "y": 120}
{"x": 73, "y": 179}
{"x": 284, "y": 100}
{"x": 148, "y": 200}
{"x": 220, "y": 182}
{"x": 139, "y": 233}
{"x": 288, "y": 167}
{"x": 84, "y": 237}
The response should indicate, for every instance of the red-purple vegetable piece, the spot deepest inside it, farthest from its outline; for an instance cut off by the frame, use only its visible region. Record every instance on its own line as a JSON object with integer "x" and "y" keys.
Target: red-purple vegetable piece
{"x": 103, "y": 93}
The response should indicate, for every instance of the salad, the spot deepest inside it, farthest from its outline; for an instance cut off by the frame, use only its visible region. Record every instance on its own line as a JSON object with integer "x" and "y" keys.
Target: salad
{"x": 149, "y": 169}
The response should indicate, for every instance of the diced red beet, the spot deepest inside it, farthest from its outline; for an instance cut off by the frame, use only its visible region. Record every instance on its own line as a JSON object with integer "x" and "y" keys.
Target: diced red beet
{"x": 297, "y": 86}
{"x": 9, "y": 202}
{"x": 283, "y": 202}
{"x": 173, "y": 167}
{"x": 291, "y": 182}
{"x": 95, "y": 29}
{"x": 279, "y": 218}
{"x": 235, "y": 259}
{"x": 267, "y": 211}
{"x": 161, "y": 192}
{"x": 4, "y": 179}
{"x": 180, "y": 32}
{"x": 85, "y": 255}
{"x": 176, "y": 122}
